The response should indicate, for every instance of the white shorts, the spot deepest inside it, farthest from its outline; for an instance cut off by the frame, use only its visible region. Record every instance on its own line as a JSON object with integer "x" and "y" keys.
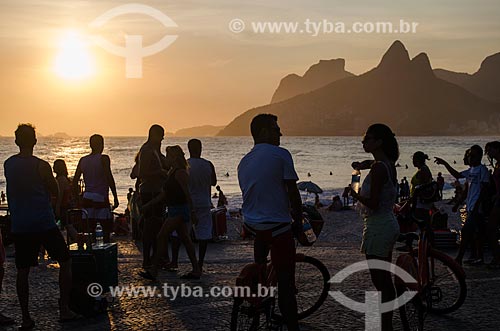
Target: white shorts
{"x": 203, "y": 230}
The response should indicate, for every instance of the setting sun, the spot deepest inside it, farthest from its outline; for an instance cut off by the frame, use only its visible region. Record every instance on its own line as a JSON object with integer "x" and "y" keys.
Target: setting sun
{"x": 73, "y": 60}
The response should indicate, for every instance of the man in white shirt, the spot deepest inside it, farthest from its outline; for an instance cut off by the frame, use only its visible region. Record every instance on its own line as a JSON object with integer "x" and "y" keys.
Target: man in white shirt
{"x": 98, "y": 179}
{"x": 477, "y": 177}
{"x": 201, "y": 179}
{"x": 267, "y": 180}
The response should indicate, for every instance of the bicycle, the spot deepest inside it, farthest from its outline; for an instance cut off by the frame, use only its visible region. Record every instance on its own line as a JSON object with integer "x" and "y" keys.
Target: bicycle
{"x": 253, "y": 313}
{"x": 440, "y": 286}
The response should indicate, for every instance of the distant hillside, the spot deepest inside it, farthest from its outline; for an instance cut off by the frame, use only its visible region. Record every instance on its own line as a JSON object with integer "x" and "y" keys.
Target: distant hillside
{"x": 318, "y": 75}
{"x": 484, "y": 83}
{"x": 401, "y": 92}
{"x": 199, "y": 131}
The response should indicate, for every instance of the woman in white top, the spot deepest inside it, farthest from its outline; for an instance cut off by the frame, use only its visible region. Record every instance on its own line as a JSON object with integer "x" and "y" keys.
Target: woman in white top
{"x": 377, "y": 197}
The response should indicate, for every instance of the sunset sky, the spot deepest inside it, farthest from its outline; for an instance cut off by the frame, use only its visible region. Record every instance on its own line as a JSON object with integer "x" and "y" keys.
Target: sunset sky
{"x": 209, "y": 74}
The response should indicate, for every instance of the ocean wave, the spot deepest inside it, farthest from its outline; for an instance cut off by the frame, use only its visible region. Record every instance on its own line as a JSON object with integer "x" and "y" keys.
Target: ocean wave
{"x": 124, "y": 149}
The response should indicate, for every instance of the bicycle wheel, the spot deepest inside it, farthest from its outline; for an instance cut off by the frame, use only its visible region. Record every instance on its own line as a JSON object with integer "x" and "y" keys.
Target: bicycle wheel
{"x": 412, "y": 313}
{"x": 311, "y": 285}
{"x": 447, "y": 288}
{"x": 244, "y": 316}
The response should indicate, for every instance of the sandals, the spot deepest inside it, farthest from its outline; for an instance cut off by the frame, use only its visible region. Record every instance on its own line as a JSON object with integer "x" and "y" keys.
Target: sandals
{"x": 190, "y": 275}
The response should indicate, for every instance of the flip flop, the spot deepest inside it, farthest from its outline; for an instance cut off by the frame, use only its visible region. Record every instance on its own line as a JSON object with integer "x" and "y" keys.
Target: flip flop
{"x": 190, "y": 275}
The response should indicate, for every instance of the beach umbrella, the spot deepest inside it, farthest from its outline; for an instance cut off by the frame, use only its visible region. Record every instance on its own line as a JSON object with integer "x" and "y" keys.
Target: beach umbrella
{"x": 309, "y": 187}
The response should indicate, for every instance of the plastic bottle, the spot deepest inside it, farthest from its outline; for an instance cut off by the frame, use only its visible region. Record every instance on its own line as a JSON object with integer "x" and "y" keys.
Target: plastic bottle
{"x": 99, "y": 235}
{"x": 308, "y": 231}
{"x": 355, "y": 180}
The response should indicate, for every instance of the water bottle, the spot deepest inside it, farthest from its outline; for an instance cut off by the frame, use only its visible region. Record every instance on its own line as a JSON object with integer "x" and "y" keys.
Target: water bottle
{"x": 308, "y": 231}
{"x": 355, "y": 180}
{"x": 99, "y": 235}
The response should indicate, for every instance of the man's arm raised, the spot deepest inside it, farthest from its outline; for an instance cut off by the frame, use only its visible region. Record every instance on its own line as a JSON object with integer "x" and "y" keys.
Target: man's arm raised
{"x": 450, "y": 169}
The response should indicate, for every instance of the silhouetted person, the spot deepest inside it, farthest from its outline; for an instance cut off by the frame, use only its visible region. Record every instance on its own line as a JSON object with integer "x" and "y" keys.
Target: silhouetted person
{"x": 336, "y": 204}
{"x": 178, "y": 200}
{"x": 152, "y": 172}
{"x": 440, "y": 182}
{"x": 2, "y": 197}
{"x": 345, "y": 195}
{"x": 317, "y": 203}
{"x": 222, "y": 202}
{"x": 29, "y": 187}
{"x": 377, "y": 197}
{"x": 478, "y": 178}
{"x": 98, "y": 179}
{"x": 65, "y": 200}
{"x": 271, "y": 200}
{"x": 423, "y": 175}
{"x": 201, "y": 179}
{"x": 404, "y": 189}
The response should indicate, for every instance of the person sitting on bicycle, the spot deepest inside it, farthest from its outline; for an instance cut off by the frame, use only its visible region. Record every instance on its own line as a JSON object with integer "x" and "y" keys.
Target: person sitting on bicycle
{"x": 267, "y": 179}
{"x": 478, "y": 178}
{"x": 422, "y": 176}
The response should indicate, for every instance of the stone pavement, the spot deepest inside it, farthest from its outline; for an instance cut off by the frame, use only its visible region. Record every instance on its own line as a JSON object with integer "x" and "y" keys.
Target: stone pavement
{"x": 481, "y": 310}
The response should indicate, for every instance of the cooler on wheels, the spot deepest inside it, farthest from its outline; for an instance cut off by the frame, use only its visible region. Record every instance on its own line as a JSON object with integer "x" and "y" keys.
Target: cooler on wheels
{"x": 91, "y": 264}
{"x": 219, "y": 223}
{"x": 5, "y": 224}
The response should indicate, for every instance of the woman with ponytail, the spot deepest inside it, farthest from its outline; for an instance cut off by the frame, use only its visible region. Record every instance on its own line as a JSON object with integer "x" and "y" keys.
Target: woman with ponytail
{"x": 377, "y": 197}
{"x": 423, "y": 175}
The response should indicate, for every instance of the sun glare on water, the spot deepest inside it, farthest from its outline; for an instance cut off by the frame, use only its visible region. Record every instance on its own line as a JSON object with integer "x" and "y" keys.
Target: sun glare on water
{"x": 74, "y": 61}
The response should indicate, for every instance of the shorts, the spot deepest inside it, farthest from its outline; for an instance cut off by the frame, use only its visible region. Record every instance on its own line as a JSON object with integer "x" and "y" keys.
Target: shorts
{"x": 380, "y": 233}
{"x": 203, "y": 230}
{"x": 180, "y": 210}
{"x": 27, "y": 246}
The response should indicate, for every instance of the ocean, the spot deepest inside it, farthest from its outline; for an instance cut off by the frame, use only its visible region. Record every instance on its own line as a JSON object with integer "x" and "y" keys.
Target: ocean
{"x": 317, "y": 156}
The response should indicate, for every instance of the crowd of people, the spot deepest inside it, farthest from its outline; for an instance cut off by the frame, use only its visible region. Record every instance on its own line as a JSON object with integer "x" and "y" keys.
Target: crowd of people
{"x": 173, "y": 193}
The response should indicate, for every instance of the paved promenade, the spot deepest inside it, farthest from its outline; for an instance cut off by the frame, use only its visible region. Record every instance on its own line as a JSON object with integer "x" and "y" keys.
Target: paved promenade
{"x": 481, "y": 310}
